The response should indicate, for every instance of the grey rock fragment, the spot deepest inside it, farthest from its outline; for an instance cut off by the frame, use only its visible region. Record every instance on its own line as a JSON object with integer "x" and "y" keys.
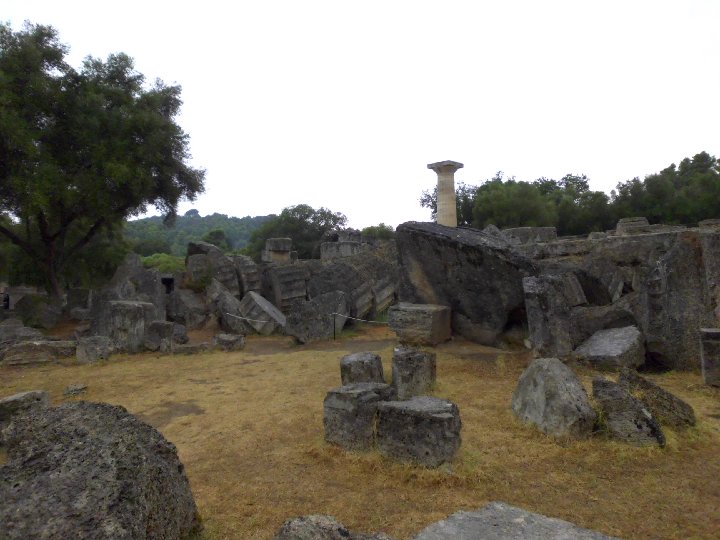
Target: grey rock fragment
{"x": 180, "y": 336}
{"x": 422, "y": 430}
{"x": 191, "y": 348}
{"x": 75, "y": 389}
{"x": 500, "y": 521}
{"x": 710, "y": 355}
{"x": 261, "y": 315}
{"x": 613, "y": 348}
{"x": 550, "y": 396}
{"x": 92, "y": 349}
{"x": 321, "y": 528}
{"x": 22, "y": 403}
{"x": 349, "y": 414}
{"x": 548, "y": 315}
{"x": 361, "y": 367}
{"x": 36, "y": 352}
{"x": 420, "y": 324}
{"x": 188, "y": 308}
{"x": 138, "y": 486}
{"x": 413, "y": 371}
{"x": 665, "y": 406}
{"x": 625, "y": 417}
{"x": 320, "y": 318}
{"x": 229, "y": 342}
{"x": 159, "y": 336}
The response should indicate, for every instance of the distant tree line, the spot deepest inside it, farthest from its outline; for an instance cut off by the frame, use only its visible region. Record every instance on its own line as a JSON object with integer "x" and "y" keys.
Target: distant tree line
{"x": 152, "y": 235}
{"x": 682, "y": 194}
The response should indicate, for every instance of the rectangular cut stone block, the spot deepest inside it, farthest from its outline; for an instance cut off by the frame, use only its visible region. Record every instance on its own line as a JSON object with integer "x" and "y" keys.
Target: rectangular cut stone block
{"x": 338, "y": 250}
{"x": 261, "y": 315}
{"x": 36, "y": 352}
{"x": 613, "y": 348}
{"x": 413, "y": 372}
{"x": 361, "y": 367}
{"x": 710, "y": 355}
{"x": 93, "y": 348}
{"x": 422, "y": 324}
{"x": 423, "y": 430}
{"x": 349, "y": 414}
{"x": 127, "y": 324}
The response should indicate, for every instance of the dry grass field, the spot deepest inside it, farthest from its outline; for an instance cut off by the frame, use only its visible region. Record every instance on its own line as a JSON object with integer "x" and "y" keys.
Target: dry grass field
{"x": 248, "y": 427}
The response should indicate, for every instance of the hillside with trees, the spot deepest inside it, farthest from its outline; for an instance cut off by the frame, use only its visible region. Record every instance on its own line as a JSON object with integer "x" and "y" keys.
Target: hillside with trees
{"x": 681, "y": 194}
{"x": 153, "y": 235}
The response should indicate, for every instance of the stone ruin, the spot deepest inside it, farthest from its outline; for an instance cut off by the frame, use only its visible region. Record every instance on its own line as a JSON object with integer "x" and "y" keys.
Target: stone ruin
{"x": 399, "y": 419}
{"x": 634, "y": 296}
{"x": 143, "y": 310}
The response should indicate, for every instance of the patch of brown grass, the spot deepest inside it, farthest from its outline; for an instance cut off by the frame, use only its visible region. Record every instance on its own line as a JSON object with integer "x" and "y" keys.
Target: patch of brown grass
{"x": 248, "y": 427}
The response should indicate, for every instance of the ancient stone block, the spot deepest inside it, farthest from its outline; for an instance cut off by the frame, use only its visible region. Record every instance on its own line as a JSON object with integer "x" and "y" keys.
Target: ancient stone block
{"x": 478, "y": 275}
{"x": 349, "y": 413}
{"x": 96, "y": 472}
{"x": 229, "y": 342}
{"x": 550, "y": 396}
{"x": 613, "y": 348}
{"x": 261, "y": 314}
{"x": 227, "y": 308}
{"x": 423, "y": 430}
{"x": 500, "y": 521}
{"x": 383, "y": 294}
{"x": 528, "y": 235}
{"x": 159, "y": 336}
{"x": 548, "y": 315}
{"x": 322, "y": 317}
{"x": 188, "y": 308}
{"x": 624, "y": 416}
{"x": 421, "y": 324}
{"x": 248, "y": 274}
{"x": 710, "y": 355}
{"x": 277, "y": 250}
{"x": 340, "y": 249}
{"x": 413, "y": 372}
{"x": 22, "y": 403}
{"x": 127, "y": 324}
{"x": 361, "y": 367}
{"x": 198, "y": 271}
{"x": 288, "y": 283}
{"x": 180, "y": 336}
{"x": 632, "y": 225}
{"x": 13, "y": 330}
{"x": 38, "y": 311}
{"x": 36, "y": 352}
{"x": 92, "y": 349}
{"x": 586, "y": 320}
{"x": 666, "y": 407}
{"x": 191, "y": 348}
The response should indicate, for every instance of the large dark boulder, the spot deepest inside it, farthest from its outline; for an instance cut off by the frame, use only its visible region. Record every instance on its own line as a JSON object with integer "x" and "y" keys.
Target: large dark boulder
{"x": 92, "y": 470}
{"x": 477, "y": 274}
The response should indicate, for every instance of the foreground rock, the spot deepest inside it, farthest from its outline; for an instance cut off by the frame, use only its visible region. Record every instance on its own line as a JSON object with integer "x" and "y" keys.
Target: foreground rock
{"x": 36, "y": 352}
{"x": 420, "y": 324}
{"x": 423, "y": 430}
{"x": 93, "y": 349}
{"x": 613, "y": 348}
{"x": 261, "y": 315}
{"x": 666, "y": 407}
{"x": 361, "y": 367}
{"x": 318, "y": 319}
{"x": 550, "y": 396}
{"x": 228, "y": 342}
{"x": 500, "y": 521}
{"x": 321, "y": 528}
{"x": 349, "y": 414}
{"x": 92, "y": 470}
{"x": 710, "y": 355}
{"x": 625, "y": 417}
{"x": 477, "y": 274}
{"x": 413, "y": 371}
{"x": 20, "y": 404}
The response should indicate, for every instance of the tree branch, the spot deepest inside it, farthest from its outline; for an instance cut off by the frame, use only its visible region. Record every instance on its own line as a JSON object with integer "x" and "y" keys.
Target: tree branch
{"x": 15, "y": 239}
{"x": 92, "y": 231}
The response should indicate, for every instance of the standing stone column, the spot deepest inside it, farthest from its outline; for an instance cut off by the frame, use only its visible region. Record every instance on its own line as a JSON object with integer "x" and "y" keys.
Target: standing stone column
{"x": 710, "y": 355}
{"x": 446, "y": 209}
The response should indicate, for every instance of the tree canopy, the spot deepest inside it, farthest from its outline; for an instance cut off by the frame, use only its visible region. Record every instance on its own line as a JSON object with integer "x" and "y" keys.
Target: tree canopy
{"x": 82, "y": 150}
{"x": 683, "y": 194}
{"x": 305, "y": 225}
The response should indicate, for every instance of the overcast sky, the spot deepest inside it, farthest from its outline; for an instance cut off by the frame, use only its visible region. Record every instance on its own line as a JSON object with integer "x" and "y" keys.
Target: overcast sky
{"x": 343, "y": 104}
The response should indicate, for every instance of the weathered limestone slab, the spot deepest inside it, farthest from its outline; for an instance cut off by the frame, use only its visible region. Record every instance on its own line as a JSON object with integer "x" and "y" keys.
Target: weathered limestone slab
{"x": 198, "y": 270}
{"x": 36, "y": 352}
{"x": 22, "y": 403}
{"x": 710, "y": 355}
{"x": 128, "y": 323}
{"x": 665, "y": 406}
{"x": 188, "y": 308}
{"x": 361, "y": 367}
{"x": 229, "y": 342}
{"x": 349, "y": 413}
{"x": 321, "y": 528}
{"x": 631, "y": 225}
{"x": 528, "y": 235}
{"x": 550, "y": 396}
{"x": 421, "y": 324}
{"x": 477, "y": 274}
{"x": 613, "y": 348}
{"x": 159, "y": 336}
{"x": 91, "y": 349}
{"x": 261, "y": 315}
{"x": 586, "y": 320}
{"x": 96, "y": 472}
{"x": 423, "y": 430}
{"x": 413, "y": 372}
{"x": 383, "y": 294}
{"x": 548, "y": 315}
{"x": 500, "y": 521}
{"x": 288, "y": 283}
{"x": 227, "y": 308}
{"x": 340, "y": 249}
{"x": 277, "y": 250}
{"x": 625, "y": 417}
{"x": 322, "y": 317}
{"x": 191, "y": 348}
{"x": 248, "y": 274}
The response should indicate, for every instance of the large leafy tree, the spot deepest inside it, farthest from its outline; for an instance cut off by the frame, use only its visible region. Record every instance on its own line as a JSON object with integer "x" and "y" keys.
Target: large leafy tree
{"x": 303, "y": 224}
{"x": 82, "y": 150}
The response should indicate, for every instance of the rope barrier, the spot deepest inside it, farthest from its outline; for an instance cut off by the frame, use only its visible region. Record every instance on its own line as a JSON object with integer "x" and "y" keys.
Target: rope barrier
{"x": 246, "y": 319}
{"x": 356, "y": 319}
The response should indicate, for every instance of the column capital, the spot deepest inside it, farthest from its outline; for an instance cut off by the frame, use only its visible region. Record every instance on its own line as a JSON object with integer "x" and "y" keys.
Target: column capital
{"x": 445, "y": 166}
